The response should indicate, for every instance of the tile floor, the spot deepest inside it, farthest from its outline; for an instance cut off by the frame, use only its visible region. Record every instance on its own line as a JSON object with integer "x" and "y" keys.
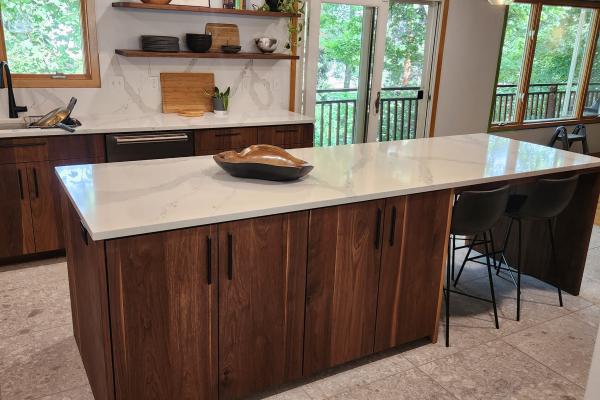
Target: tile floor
{"x": 545, "y": 356}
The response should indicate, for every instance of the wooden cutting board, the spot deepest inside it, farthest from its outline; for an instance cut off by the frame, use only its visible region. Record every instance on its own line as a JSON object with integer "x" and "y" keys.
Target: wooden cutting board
{"x": 186, "y": 92}
{"x": 222, "y": 34}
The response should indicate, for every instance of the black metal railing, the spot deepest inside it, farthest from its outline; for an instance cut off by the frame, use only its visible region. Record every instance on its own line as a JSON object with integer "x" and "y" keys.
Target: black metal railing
{"x": 335, "y": 115}
{"x": 544, "y": 101}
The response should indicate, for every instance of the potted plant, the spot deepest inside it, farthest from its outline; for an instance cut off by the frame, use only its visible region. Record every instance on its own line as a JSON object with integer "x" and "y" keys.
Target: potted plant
{"x": 221, "y": 101}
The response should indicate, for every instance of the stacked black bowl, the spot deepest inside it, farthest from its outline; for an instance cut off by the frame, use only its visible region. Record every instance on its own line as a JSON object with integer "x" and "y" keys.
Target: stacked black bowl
{"x": 160, "y": 43}
{"x": 198, "y": 42}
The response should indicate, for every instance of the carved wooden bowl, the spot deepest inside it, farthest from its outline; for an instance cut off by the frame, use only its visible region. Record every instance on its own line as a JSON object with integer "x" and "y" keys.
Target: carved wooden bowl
{"x": 263, "y": 161}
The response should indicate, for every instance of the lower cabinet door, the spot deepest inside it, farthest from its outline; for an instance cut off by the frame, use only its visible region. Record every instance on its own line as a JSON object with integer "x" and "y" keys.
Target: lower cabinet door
{"x": 262, "y": 277}
{"x": 44, "y": 192}
{"x": 412, "y": 265}
{"x": 163, "y": 310}
{"x": 343, "y": 275}
{"x": 16, "y": 232}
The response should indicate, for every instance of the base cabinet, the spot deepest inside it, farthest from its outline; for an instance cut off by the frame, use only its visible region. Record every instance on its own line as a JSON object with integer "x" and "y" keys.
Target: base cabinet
{"x": 230, "y": 310}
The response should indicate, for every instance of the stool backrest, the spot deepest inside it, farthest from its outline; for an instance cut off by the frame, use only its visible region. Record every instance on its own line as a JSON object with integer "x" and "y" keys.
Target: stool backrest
{"x": 547, "y": 198}
{"x": 477, "y": 211}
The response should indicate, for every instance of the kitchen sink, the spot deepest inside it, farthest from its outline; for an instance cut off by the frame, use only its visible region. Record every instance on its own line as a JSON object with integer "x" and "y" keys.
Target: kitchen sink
{"x": 17, "y": 124}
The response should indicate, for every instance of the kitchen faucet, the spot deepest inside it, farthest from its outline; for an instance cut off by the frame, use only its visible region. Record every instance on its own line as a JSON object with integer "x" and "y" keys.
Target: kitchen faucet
{"x": 13, "y": 108}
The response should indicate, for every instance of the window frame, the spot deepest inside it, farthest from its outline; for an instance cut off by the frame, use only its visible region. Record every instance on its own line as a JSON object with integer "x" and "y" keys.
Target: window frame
{"x": 89, "y": 79}
{"x": 527, "y": 67}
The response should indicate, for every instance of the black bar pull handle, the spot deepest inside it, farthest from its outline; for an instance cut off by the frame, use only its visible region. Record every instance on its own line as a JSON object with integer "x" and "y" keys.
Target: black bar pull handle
{"x": 209, "y": 260}
{"x": 393, "y": 226}
{"x": 378, "y": 229}
{"x": 229, "y": 256}
{"x": 35, "y": 183}
{"x": 84, "y": 233}
{"x": 20, "y": 176}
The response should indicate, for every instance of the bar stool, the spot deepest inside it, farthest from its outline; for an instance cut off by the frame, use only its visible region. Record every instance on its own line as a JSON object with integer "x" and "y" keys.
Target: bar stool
{"x": 474, "y": 214}
{"x": 567, "y": 139}
{"x": 545, "y": 200}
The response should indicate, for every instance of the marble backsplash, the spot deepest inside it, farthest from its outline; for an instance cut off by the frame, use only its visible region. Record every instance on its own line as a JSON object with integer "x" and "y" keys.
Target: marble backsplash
{"x": 131, "y": 86}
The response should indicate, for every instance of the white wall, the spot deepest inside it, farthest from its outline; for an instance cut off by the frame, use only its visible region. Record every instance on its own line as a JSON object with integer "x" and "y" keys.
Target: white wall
{"x": 472, "y": 48}
{"x": 131, "y": 86}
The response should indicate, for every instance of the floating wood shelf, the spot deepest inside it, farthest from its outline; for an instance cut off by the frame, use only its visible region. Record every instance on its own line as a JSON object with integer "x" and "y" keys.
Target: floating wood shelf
{"x": 191, "y": 54}
{"x": 198, "y": 9}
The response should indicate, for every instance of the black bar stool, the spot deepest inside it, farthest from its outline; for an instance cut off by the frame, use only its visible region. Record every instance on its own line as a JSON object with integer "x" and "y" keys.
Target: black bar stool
{"x": 567, "y": 139}
{"x": 474, "y": 214}
{"x": 544, "y": 201}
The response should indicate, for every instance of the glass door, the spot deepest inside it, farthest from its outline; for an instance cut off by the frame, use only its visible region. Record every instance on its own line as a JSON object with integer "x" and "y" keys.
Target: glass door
{"x": 402, "y": 103}
{"x": 368, "y": 69}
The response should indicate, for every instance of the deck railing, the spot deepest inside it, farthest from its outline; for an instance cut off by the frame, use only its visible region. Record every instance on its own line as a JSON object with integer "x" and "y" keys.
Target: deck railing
{"x": 544, "y": 101}
{"x": 335, "y": 115}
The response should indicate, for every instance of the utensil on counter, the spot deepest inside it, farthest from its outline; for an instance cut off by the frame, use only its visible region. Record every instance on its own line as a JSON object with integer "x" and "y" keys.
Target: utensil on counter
{"x": 222, "y": 35}
{"x": 266, "y": 44}
{"x": 263, "y": 161}
{"x": 58, "y": 118}
{"x": 198, "y": 42}
{"x": 187, "y": 91}
{"x": 231, "y": 49}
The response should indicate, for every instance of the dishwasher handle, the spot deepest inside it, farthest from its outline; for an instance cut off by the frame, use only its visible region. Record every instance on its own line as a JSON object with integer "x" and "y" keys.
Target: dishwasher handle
{"x": 139, "y": 139}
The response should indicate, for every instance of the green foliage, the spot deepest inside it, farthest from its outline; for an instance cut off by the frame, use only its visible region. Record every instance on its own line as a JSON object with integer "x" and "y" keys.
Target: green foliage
{"x": 223, "y": 96}
{"x": 43, "y": 36}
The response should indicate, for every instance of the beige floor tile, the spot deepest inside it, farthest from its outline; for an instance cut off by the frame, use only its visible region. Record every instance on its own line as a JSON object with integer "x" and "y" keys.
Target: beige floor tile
{"x": 356, "y": 374}
{"x": 498, "y": 371}
{"x": 32, "y": 274}
{"x": 590, "y": 289}
{"x": 33, "y": 308}
{"x": 40, "y": 364}
{"x": 591, "y": 315}
{"x": 80, "y": 393}
{"x": 409, "y": 385}
{"x": 572, "y": 358}
{"x": 595, "y": 239}
{"x": 292, "y": 394}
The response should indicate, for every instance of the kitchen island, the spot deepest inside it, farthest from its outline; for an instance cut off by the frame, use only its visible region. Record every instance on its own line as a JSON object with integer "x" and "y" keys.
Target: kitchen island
{"x": 187, "y": 283}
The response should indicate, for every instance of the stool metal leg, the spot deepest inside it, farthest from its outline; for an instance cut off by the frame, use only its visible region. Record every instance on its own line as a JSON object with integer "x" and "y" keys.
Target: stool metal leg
{"x": 453, "y": 254}
{"x": 505, "y": 245}
{"x": 448, "y": 296}
{"x": 462, "y": 267}
{"x": 489, "y": 268}
{"x": 554, "y": 260}
{"x": 520, "y": 257}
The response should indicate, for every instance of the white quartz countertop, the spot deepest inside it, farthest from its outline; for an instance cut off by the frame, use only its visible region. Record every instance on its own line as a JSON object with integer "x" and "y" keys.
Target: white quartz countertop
{"x": 132, "y": 198}
{"x": 161, "y": 122}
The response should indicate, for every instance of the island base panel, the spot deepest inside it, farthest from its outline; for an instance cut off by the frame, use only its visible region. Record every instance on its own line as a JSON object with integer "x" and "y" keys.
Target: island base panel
{"x": 572, "y": 230}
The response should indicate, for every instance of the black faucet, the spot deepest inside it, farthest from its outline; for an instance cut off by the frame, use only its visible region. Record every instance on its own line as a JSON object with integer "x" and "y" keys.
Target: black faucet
{"x": 13, "y": 108}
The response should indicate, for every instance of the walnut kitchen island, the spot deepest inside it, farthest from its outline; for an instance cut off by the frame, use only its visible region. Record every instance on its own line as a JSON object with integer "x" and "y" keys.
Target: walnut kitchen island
{"x": 187, "y": 283}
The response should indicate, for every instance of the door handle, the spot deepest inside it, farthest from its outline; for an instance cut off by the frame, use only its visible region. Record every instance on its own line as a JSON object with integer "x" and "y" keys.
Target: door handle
{"x": 209, "y": 260}
{"x": 84, "y": 233}
{"x": 140, "y": 139}
{"x": 420, "y": 94}
{"x": 229, "y": 256}
{"x": 393, "y": 226}
{"x": 20, "y": 176}
{"x": 377, "y": 101}
{"x": 35, "y": 184}
{"x": 378, "y": 229}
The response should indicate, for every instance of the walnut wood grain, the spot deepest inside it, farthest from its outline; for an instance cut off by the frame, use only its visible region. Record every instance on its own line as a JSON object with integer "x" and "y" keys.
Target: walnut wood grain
{"x": 164, "y": 314}
{"x": 342, "y": 284}
{"x": 411, "y": 268}
{"x": 86, "y": 265}
{"x": 287, "y": 136}
{"x": 25, "y": 150}
{"x": 199, "y": 9}
{"x": 191, "y": 54}
{"x": 572, "y": 231}
{"x": 262, "y": 277}
{"x": 212, "y": 141}
{"x": 16, "y": 234}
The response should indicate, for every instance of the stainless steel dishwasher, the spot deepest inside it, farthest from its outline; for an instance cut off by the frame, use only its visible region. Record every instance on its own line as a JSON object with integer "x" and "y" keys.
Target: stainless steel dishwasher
{"x": 147, "y": 146}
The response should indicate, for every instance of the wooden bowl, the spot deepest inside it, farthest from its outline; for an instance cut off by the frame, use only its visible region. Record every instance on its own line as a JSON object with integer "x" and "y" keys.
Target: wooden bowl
{"x": 263, "y": 161}
{"x": 156, "y": 1}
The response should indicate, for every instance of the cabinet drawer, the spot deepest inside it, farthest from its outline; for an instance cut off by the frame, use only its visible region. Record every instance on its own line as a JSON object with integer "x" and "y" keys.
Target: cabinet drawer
{"x": 51, "y": 148}
{"x": 286, "y": 135}
{"x": 216, "y": 140}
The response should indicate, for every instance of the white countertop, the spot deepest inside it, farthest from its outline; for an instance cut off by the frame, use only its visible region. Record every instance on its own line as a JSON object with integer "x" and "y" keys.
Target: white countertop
{"x": 161, "y": 122}
{"x": 131, "y": 198}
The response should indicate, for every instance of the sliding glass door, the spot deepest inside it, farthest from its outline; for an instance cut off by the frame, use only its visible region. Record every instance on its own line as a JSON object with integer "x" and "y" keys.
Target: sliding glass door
{"x": 368, "y": 80}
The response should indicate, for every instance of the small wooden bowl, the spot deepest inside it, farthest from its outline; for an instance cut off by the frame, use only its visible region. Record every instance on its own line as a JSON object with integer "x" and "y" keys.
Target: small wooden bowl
{"x": 263, "y": 161}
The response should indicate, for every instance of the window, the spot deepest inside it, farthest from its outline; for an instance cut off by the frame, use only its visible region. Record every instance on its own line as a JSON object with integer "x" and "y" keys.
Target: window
{"x": 546, "y": 72}
{"x": 50, "y": 43}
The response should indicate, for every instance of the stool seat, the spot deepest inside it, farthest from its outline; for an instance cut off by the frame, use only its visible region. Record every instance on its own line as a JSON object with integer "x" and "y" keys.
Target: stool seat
{"x": 579, "y": 134}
